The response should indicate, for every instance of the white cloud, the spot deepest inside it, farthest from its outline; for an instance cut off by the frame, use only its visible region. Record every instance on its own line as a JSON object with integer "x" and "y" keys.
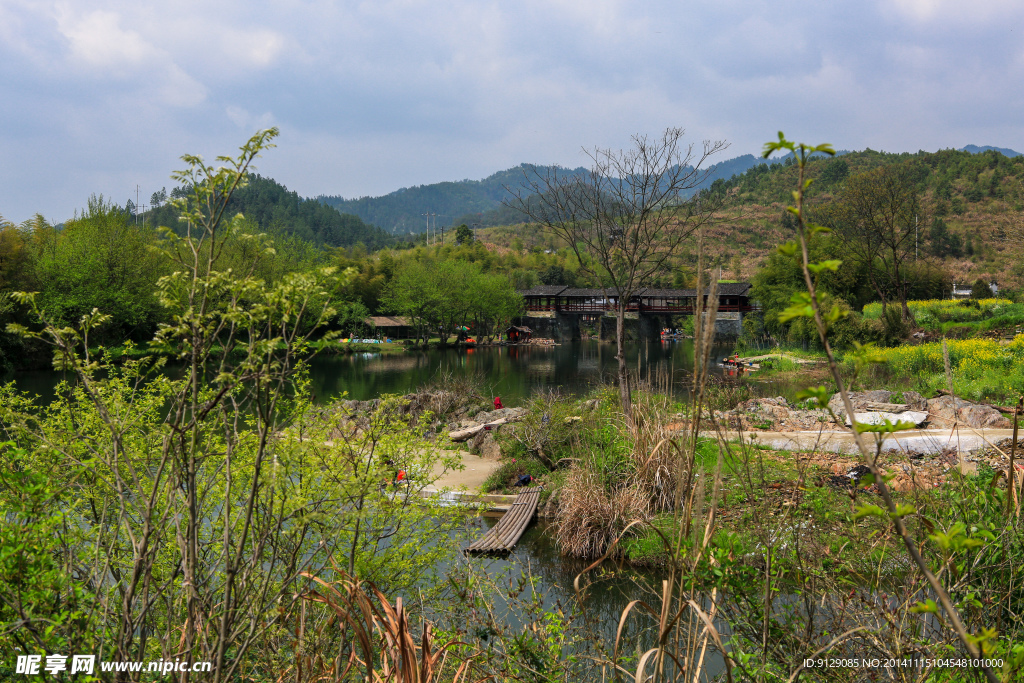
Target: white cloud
{"x": 374, "y": 95}
{"x": 955, "y": 12}
{"x": 97, "y": 39}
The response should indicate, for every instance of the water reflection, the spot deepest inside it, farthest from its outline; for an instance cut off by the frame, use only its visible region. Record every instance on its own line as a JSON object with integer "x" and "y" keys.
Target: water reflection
{"x": 512, "y": 372}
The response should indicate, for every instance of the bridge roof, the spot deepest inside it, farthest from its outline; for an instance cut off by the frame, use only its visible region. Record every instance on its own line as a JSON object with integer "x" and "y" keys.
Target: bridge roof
{"x": 725, "y": 289}
{"x": 543, "y": 290}
{"x": 734, "y": 289}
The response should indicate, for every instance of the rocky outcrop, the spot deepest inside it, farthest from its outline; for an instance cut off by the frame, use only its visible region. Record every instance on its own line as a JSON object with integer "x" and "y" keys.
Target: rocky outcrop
{"x": 776, "y": 415}
{"x": 484, "y": 445}
{"x": 878, "y": 400}
{"x": 870, "y": 407}
{"x": 945, "y": 410}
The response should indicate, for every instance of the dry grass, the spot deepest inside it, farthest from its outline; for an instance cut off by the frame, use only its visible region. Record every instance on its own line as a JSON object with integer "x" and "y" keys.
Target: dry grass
{"x": 590, "y": 518}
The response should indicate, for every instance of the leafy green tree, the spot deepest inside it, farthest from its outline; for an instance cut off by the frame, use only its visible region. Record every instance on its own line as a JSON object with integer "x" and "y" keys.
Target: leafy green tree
{"x": 100, "y": 259}
{"x": 188, "y": 514}
{"x": 835, "y": 171}
{"x": 440, "y": 296}
{"x": 557, "y": 275}
{"x": 942, "y": 241}
{"x": 463, "y": 234}
{"x": 980, "y": 289}
{"x": 876, "y": 216}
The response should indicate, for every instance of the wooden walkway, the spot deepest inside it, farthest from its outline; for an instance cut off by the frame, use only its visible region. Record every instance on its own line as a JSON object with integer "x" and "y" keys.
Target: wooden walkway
{"x": 504, "y": 535}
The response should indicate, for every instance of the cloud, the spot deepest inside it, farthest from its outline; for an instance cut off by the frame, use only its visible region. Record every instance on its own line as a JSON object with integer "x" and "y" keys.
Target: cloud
{"x": 97, "y": 40}
{"x": 371, "y": 96}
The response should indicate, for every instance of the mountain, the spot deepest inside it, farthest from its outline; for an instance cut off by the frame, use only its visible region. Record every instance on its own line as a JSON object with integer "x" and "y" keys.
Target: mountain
{"x": 274, "y": 208}
{"x": 479, "y": 202}
{"x": 451, "y": 203}
{"x": 974, "y": 149}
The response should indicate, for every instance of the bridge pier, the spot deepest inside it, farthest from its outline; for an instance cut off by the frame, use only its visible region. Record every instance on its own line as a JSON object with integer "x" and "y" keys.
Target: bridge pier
{"x": 728, "y": 325}
{"x": 633, "y": 328}
{"x": 567, "y": 326}
{"x": 651, "y": 325}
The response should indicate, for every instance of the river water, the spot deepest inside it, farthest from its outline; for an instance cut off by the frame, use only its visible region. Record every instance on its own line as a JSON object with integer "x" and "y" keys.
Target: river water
{"x": 511, "y": 372}
{"x": 514, "y": 373}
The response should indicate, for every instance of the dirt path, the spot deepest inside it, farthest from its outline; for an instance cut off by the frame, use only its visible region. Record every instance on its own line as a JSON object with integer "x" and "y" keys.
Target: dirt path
{"x": 471, "y": 478}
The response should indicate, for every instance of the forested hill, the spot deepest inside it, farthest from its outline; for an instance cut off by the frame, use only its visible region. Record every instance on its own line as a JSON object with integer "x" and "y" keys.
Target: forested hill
{"x": 954, "y": 178}
{"x": 401, "y": 212}
{"x": 274, "y": 208}
{"x": 473, "y": 201}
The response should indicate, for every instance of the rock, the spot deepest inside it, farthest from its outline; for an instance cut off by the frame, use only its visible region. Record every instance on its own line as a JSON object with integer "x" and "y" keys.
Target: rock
{"x": 859, "y": 399}
{"x": 915, "y": 401}
{"x": 945, "y": 410}
{"x": 968, "y": 469}
{"x": 484, "y": 445}
{"x": 876, "y": 418}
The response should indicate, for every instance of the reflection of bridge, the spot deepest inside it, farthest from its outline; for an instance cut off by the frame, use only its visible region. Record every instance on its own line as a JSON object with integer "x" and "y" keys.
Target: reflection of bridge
{"x": 733, "y": 297}
{"x": 654, "y": 307}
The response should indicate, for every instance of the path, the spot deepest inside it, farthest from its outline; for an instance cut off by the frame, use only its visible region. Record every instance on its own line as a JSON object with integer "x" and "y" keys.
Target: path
{"x": 471, "y": 478}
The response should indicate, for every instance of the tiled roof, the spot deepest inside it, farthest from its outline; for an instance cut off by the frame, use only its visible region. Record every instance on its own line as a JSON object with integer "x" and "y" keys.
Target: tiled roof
{"x": 387, "y": 321}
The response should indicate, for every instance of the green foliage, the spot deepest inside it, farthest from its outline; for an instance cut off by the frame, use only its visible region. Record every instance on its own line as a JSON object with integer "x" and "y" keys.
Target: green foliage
{"x": 276, "y": 210}
{"x": 441, "y": 296}
{"x": 196, "y": 506}
{"x": 980, "y": 290}
{"x": 463, "y": 234}
{"x": 99, "y": 260}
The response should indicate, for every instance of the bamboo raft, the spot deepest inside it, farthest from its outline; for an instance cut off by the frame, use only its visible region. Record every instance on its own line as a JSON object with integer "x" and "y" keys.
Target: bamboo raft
{"x": 504, "y": 535}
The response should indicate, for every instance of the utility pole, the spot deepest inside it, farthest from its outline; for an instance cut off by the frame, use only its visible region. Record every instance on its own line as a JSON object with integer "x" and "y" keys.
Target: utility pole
{"x": 915, "y": 236}
{"x": 428, "y": 226}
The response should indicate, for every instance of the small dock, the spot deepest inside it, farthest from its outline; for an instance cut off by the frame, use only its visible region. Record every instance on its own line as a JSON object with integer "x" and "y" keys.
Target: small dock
{"x": 504, "y": 535}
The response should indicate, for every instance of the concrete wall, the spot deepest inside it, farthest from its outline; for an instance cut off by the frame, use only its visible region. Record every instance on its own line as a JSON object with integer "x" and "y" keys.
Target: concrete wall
{"x": 728, "y": 325}
{"x": 560, "y": 327}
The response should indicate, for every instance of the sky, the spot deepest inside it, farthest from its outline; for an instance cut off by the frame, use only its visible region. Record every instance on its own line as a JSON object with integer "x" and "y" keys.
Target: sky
{"x": 369, "y": 97}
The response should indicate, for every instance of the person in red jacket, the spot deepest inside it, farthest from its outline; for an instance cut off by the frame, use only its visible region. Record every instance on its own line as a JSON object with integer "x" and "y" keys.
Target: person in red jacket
{"x": 497, "y": 403}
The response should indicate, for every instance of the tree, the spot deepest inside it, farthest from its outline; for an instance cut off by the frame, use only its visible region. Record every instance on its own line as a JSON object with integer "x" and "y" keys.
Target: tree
{"x": 463, "y": 234}
{"x": 980, "y": 289}
{"x": 877, "y": 217}
{"x": 626, "y": 217}
{"x": 152, "y": 514}
{"x": 100, "y": 259}
{"x": 158, "y": 197}
{"x": 439, "y": 296}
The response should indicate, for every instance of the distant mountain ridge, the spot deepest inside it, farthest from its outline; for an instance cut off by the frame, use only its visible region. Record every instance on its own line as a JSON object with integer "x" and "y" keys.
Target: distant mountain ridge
{"x": 478, "y": 202}
{"x": 275, "y": 208}
{"x": 975, "y": 149}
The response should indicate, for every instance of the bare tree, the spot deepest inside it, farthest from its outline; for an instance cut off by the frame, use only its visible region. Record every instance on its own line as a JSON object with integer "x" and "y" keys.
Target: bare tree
{"x": 877, "y": 219}
{"x": 626, "y": 216}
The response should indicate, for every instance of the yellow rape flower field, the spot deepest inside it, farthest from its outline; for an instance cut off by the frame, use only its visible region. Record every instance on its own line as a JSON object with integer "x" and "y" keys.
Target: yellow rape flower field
{"x": 983, "y": 369}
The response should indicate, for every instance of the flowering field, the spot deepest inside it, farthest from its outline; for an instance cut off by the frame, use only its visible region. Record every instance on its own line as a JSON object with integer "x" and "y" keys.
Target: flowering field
{"x": 946, "y": 310}
{"x": 983, "y": 369}
{"x": 975, "y": 314}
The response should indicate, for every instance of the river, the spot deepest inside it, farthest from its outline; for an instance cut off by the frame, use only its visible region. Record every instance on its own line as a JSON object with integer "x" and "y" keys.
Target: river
{"x": 514, "y": 373}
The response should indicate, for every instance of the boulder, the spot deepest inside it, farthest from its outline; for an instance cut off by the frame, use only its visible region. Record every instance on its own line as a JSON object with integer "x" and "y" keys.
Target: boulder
{"x": 859, "y": 399}
{"x": 914, "y": 417}
{"x": 484, "y": 445}
{"x": 945, "y": 410}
